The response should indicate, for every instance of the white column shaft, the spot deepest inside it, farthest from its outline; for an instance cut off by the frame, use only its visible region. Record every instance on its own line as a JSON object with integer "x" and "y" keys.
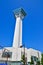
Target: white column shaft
{"x": 18, "y": 33}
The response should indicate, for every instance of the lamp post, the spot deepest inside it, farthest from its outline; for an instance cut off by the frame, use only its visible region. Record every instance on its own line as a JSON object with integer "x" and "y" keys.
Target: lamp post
{"x": 7, "y": 55}
{"x": 24, "y": 52}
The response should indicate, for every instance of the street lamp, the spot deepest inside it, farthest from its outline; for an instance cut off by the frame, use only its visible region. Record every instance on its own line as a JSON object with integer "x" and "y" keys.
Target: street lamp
{"x": 6, "y": 54}
{"x": 24, "y": 51}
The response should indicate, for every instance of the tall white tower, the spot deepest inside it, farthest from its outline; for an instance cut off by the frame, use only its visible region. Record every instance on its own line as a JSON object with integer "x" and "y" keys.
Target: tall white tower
{"x": 17, "y": 40}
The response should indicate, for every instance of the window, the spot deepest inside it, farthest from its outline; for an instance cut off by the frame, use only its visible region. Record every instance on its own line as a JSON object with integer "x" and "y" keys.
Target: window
{"x": 34, "y": 58}
{"x": 7, "y": 54}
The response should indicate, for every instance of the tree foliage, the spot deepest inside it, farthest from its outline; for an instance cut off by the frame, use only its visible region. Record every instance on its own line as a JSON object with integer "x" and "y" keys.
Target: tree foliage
{"x": 23, "y": 59}
{"x": 38, "y": 62}
{"x": 42, "y": 59}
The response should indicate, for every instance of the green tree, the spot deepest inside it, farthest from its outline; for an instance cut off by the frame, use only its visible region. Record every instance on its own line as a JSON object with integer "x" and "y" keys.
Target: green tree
{"x": 42, "y": 59}
{"x": 38, "y": 62}
{"x": 23, "y": 59}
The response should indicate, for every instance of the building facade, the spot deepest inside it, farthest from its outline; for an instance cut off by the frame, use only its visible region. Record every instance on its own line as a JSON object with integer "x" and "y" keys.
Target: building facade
{"x": 16, "y": 54}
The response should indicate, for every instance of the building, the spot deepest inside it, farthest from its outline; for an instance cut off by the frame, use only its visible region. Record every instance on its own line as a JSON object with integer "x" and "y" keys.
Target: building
{"x": 13, "y": 54}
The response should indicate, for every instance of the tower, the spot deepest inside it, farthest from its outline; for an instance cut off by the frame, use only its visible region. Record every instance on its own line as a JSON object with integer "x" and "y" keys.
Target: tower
{"x": 19, "y": 15}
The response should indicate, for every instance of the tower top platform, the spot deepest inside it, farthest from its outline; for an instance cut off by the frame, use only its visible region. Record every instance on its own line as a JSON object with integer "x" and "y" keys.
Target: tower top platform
{"x": 19, "y": 12}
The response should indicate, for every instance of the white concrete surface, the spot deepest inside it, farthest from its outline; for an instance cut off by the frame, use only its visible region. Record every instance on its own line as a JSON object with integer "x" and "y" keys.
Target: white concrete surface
{"x": 17, "y": 41}
{"x": 16, "y": 54}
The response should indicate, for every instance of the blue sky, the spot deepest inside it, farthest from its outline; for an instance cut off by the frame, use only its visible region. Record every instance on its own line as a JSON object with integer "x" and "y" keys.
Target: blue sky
{"x": 32, "y": 23}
